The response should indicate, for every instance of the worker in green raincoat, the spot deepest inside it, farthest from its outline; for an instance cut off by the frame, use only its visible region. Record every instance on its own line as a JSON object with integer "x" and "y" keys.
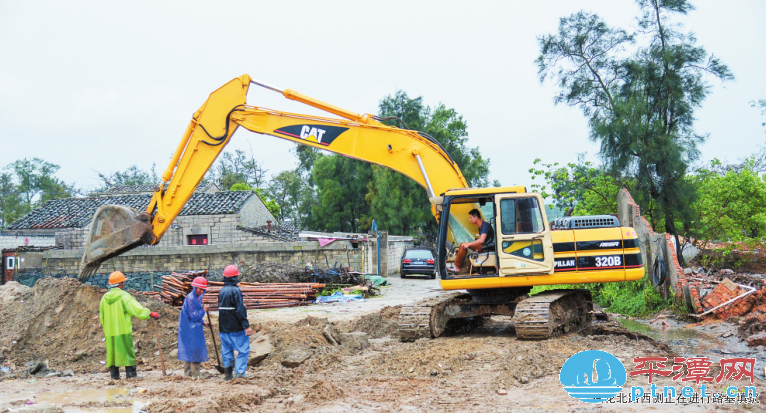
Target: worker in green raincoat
{"x": 116, "y": 308}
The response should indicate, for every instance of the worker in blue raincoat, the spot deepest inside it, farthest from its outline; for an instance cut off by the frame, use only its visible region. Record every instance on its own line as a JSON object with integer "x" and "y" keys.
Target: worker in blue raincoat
{"x": 192, "y": 349}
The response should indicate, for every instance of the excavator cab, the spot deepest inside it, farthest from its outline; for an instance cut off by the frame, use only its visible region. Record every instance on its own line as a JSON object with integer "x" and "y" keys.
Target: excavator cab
{"x": 522, "y": 238}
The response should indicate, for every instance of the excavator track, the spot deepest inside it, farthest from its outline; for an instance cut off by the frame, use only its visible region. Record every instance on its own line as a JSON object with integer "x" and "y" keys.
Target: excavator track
{"x": 415, "y": 320}
{"x": 552, "y": 313}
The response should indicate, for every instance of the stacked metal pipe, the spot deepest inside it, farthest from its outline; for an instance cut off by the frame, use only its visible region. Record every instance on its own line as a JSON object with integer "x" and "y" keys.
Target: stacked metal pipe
{"x": 267, "y": 295}
{"x": 175, "y": 286}
{"x": 255, "y": 295}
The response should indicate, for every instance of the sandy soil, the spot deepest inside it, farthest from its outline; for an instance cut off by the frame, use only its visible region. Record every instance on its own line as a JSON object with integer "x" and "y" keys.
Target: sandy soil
{"x": 460, "y": 373}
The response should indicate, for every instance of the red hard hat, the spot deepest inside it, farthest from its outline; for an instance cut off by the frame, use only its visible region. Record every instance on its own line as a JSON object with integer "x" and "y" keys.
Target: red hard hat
{"x": 230, "y": 271}
{"x": 200, "y": 282}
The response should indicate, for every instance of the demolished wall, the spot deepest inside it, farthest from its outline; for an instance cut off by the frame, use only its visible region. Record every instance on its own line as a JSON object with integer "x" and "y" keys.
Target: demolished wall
{"x": 658, "y": 245}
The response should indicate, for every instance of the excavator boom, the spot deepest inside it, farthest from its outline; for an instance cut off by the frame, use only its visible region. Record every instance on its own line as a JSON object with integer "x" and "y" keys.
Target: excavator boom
{"x": 117, "y": 229}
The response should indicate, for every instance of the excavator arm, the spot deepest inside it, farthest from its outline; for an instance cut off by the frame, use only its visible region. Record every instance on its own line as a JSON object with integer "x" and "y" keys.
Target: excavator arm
{"x": 117, "y": 229}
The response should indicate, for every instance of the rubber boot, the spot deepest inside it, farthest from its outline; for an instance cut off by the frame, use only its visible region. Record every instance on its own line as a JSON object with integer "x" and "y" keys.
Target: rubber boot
{"x": 115, "y": 372}
{"x": 243, "y": 376}
{"x": 228, "y": 371}
{"x": 130, "y": 372}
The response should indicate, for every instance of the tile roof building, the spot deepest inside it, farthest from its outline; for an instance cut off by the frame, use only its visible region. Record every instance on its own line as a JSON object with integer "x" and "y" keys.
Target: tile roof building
{"x": 208, "y": 218}
{"x": 117, "y": 190}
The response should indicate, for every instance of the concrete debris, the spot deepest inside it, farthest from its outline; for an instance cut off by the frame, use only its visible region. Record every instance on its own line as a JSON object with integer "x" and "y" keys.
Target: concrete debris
{"x": 356, "y": 340}
{"x": 295, "y": 357}
{"x": 756, "y": 340}
{"x": 67, "y": 373}
{"x": 260, "y": 348}
{"x": 35, "y": 367}
{"x": 331, "y": 334}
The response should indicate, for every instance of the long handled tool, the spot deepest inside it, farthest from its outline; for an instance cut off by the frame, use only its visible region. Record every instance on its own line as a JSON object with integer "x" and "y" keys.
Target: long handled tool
{"x": 219, "y": 367}
{"x": 157, "y": 336}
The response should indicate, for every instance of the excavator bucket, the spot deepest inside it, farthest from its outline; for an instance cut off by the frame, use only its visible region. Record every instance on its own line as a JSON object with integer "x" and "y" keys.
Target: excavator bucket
{"x": 115, "y": 229}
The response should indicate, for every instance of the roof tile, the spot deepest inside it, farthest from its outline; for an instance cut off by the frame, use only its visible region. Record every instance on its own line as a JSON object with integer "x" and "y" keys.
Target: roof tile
{"x": 78, "y": 212}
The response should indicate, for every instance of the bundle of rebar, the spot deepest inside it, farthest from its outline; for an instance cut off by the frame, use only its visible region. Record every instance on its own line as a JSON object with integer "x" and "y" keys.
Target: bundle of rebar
{"x": 175, "y": 286}
{"x": 266, "y": 295}
{"x": 254, "y": 295}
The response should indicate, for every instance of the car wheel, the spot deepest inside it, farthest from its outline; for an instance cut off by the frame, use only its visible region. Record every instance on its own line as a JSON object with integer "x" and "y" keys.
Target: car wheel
{"x": 401, "y": 274}
{"x": 433, "y": 275}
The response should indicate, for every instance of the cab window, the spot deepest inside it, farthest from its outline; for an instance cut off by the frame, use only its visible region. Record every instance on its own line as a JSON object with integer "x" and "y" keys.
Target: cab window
{"x": 520, "y": 216}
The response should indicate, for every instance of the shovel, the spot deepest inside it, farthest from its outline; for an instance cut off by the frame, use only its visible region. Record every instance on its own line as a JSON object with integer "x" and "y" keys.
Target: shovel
{"x": 219, "y": 367}
{"x": 157, "y": 336}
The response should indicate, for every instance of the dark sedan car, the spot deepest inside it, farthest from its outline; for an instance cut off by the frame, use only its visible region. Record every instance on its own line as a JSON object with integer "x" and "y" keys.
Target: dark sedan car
{"x": 419, "y": 262}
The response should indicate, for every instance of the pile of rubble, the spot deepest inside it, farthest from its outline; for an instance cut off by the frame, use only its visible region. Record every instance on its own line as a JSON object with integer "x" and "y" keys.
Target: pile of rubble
{"x": 726, "y": 294}
{"x": 55, "y": 326}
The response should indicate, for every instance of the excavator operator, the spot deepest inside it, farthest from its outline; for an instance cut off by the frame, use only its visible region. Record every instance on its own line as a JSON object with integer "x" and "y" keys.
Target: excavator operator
{"x": 486, "y": 235}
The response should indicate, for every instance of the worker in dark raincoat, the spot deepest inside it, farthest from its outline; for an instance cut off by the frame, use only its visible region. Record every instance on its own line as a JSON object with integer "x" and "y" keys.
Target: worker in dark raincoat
{"x": 116, "y": 309}
{"x": 234, "y": 329}
{"x": 192, "y": 349}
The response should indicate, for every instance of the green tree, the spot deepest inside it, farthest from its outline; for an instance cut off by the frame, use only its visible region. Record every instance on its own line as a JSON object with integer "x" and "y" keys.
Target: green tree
{"x": 237, "y": 167}
{"x": 640, "y": 105}
{"x": 731, "y": 205}
{"x": 581, "y": 186}
{"x": 392, "y": 203}
{"x": 448, "y": 128}
{"x": 443, "y": 124}
{"x": 341, "y": 187}
{"x": 12, "y": 207}
{"x": 285, "y": 189}
{"x": 36, "y": 181}
{"x": 133, "y": 175}
{"x": 272, "y": 206}
{"x": 136, "y": 176}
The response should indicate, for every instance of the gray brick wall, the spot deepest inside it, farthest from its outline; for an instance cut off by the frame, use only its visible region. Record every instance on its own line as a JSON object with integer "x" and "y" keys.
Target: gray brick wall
{"x": 210, "y": 257}
{"x": 255, "y": 213}
{"x": 18, "y": 240}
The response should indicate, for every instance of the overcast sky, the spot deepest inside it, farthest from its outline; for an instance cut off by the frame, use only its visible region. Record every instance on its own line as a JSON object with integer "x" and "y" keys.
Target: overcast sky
{"x": 100, "y": 86}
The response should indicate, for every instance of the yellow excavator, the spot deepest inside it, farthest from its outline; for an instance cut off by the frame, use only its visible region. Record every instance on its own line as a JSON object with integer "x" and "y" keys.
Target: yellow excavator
{"x": 526, "y": 251}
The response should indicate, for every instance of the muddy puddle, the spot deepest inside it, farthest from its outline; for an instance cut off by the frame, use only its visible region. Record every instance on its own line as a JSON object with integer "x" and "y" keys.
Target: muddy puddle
{"x": 117, "y": 400}
{"x": 715, "y": 341}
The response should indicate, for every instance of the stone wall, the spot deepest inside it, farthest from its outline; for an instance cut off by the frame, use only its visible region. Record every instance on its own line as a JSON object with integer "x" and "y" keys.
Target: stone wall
{"x": 73, "y": 238}
{"x": 654, "y": 245}
{"x": 255, "y": 214}
{"x": 208, "y": 257}
{"x": 139, "y": 281}
{"x": 396, "y": 248}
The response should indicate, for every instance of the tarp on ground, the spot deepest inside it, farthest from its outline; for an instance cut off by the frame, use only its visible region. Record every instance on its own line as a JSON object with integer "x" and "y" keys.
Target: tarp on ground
{"x": 376, "y": 280}
{"x": 338, "y": 297}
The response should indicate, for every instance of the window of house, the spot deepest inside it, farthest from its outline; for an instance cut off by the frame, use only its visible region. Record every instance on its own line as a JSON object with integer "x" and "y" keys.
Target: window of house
{"x": 197, "y": 239}
{"x": 10, "y": 263}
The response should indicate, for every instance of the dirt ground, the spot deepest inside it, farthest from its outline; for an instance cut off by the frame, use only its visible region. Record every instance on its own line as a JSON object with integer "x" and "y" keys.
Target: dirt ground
{"x": 53, "y": 324}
